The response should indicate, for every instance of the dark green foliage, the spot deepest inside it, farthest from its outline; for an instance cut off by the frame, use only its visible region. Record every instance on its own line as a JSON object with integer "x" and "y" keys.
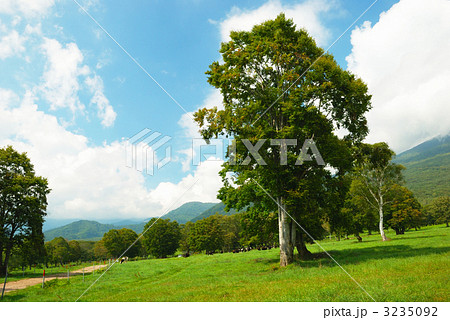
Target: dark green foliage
{"x": 23, "y": 203}
{"x": 117, "y": 241}
{"x": 87, "y": 249}
{"x": 58, "y": 251}
{"x": 403, "y": 211}
{"x": 259, "y": 227}
{"x": 214, "y": 233}
{"x": 439, "y": 210}
{"x": 162, "y": 238}
{"x": 100, "y": 251}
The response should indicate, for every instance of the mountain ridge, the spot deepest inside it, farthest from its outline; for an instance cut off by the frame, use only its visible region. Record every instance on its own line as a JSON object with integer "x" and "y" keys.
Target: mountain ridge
{"x": 94, "y": 230}
{"x": 427, "y": 172}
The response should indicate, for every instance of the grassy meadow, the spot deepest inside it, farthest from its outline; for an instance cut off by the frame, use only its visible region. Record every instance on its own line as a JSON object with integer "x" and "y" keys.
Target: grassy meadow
{"x": 410, "y": 267}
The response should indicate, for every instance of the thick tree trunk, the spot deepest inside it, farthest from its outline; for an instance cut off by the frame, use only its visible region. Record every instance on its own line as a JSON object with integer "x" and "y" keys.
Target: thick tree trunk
{"x": 5, "y": 263}
{"x": 284, "y": 228}
{"x": 358, "y": 237}
{"x": 303, "y": 252}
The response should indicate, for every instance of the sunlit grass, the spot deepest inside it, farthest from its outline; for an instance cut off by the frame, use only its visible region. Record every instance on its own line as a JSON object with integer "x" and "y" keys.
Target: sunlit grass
{"x": 410, "y": 267}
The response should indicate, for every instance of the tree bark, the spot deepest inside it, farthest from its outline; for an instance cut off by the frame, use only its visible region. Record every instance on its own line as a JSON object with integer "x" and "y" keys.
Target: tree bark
{"x": 303, "y": 252}
{"x": 380, "y": 208}
{"x": 5, "y": 263}
{"x": 284, "y": 228}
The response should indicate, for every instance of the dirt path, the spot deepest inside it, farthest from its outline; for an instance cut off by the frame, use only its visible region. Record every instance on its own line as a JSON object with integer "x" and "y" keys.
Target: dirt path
{"x": 22, "y": 284}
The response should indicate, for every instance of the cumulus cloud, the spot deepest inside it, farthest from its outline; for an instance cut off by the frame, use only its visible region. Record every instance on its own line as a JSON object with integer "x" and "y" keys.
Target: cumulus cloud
{"x": 64, "y": 66}
{"x": 11, "y": 44}
{"x": 92, "y": 181}
{"x": 63, "y": 81}
{"x": 305, "y": 15}
{"x": 29, "y": 8}
{"x": 105, "y": 110}
{"x": 404, "y": 60}
{"x": 191, "y": 129}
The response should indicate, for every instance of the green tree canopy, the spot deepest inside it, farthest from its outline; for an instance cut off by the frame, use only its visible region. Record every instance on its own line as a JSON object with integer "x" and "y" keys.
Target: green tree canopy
{"x": 403, "y": 211}
{"x": 117, "y": 241}
{"x": 58, "y": 251}
{"x": 440, "y": 210}
{"x": 162, "y": 238}
{"x": 23, "y": 202}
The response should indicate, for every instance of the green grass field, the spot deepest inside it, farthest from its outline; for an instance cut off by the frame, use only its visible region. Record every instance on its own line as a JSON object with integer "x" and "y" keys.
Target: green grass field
{"x": 410, "y": 267}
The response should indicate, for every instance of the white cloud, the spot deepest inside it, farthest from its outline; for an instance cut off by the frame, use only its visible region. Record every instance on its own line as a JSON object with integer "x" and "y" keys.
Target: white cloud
{"x": 63, "y": 77}
{"x": 191, "y": 129}
{"x": 92, "y": 181}
{"x": 404, "y": 60}
{"x": 11, "y": 44}
{"x": 305, "y": 15}
{"x": 64, "y": 66}
{"x": 30, "y": 8}
{"x": 105, "y": 110}
{"x": 204, "y": 190}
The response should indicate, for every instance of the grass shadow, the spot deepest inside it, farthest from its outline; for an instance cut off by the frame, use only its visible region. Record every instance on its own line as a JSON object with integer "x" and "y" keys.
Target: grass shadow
{"x": 12, "y": 298}
{"x": 361, "y": 255}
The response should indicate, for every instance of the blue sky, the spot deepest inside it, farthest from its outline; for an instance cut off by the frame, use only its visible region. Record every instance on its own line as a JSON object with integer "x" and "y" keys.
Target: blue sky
{"x": 70, "y": 96}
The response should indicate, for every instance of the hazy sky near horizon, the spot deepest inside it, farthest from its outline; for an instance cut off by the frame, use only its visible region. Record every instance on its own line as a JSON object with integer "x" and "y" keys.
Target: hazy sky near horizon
{"x": 71, "y": 96}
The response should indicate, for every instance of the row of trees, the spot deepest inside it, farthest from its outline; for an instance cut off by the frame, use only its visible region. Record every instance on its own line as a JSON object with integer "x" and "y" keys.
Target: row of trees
{"x": 225, "y": 233}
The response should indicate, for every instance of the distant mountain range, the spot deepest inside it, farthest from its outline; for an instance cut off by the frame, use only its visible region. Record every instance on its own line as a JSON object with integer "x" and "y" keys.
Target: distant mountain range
{"x": 427, "y": 172}
{"x": 218, "y": 208}
{"x": 78, "y": 230}
{"x": 93, "y": 230}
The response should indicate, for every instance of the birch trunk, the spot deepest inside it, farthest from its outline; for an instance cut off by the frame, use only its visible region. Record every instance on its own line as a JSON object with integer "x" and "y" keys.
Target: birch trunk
{"x": 380, "y": 210}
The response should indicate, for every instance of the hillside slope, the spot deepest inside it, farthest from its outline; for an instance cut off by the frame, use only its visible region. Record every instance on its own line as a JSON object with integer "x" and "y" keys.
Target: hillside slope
{"x": 427, "y": 172}
{"x": 79, "y": 230}
{"x": 188, "y": 211}
{"x": 218, "y": 208}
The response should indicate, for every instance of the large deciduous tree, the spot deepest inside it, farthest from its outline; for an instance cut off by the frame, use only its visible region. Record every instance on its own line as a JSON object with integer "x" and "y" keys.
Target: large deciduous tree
{"x": 277, "y": 84}
{"x": 163, "y": 238}
{"x": 404, "y": 211}
{"x": 23, "y": 202}
{"x": 117, "y": 241}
